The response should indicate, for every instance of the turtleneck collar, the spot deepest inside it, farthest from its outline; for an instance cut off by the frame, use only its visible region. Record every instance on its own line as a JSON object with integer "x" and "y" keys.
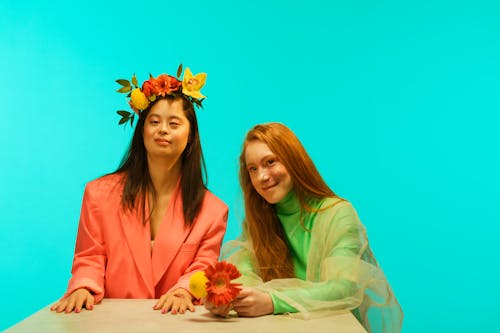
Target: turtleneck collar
{"x": 289, "y": 205}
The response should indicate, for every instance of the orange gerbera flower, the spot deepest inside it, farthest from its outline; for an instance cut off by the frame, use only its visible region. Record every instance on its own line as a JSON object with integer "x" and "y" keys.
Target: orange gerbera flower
{"x": 220, "y": 290}
{"x": 165, "y": 84}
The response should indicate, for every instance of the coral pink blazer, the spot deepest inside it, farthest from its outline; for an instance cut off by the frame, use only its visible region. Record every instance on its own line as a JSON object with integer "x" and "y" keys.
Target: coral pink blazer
{"x": 113, "y": 253}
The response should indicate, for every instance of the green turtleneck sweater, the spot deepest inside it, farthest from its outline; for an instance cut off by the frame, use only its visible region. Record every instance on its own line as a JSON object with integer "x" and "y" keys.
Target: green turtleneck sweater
{"x": 298, "y": 236}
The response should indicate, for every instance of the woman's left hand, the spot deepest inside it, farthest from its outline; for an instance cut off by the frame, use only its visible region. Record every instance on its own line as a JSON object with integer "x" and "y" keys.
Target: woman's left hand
{"x": 175, "y": 301}
{"x": 252, "y": 302}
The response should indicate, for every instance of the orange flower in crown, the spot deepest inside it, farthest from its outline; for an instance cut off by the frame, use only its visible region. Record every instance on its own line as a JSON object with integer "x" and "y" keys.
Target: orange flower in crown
{"x": 162, "y": 85}
{"x": 165, "y": 84}
{"x": 215, "y": 283}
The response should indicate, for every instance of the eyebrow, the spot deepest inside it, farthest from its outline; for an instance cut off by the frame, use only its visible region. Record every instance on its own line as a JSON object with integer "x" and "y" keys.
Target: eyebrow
{"x": 263, "y": 158}
{"x": 169, "y": 117}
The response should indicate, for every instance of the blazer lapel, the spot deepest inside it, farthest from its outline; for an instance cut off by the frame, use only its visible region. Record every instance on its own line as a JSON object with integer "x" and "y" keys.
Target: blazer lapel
{"x": 139, "y": 242}
{"x": 171, "y": 235}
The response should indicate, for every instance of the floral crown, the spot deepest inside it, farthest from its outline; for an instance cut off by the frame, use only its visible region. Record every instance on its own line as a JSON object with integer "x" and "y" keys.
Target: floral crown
{"x": 162, "y": 85}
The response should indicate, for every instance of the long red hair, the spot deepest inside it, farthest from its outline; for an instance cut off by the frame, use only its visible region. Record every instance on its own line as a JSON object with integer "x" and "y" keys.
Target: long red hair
{"x": 261, "y": 222}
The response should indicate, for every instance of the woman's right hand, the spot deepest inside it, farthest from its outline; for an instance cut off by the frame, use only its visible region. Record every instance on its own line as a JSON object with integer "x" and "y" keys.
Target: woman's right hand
{"x": 75, "y": 301}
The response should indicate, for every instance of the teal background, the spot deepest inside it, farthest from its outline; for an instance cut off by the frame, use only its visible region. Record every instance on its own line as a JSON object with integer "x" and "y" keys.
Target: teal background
{"x": 396, "y": 101}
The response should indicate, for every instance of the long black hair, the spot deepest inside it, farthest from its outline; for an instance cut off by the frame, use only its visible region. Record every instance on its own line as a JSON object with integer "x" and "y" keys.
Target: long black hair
{"x": 137, "y": 181}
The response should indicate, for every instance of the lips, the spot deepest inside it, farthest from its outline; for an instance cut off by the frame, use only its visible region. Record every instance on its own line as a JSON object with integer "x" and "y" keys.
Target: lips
{"x": 162, "y": 142}
{"x": 269, "y": 187}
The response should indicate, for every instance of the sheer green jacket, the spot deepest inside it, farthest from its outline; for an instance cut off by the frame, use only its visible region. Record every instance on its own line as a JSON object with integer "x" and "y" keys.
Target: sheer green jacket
{"x": 335, "y": 270}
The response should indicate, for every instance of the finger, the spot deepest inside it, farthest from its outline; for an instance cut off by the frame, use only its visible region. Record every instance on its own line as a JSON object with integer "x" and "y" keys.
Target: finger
{"x": 61, "y": 305}
{"x": 183, "y": 307}
{"x": 244, "y": 314}
{"x": 70, "y": 305}
{"x": 167, "y": 305}
{"x": 242, "y": 302}
{"x": 222, "y": 310}
{"x": 244, "y": 310}
{"x": 55, "y": 306}
{"x": 175, "y": 305}
{"x": 190, "y": 306}
{"x": 78, "y": 303}
{"x": 160, "y": 302}
{"x": 209, "y": 306}
{"x": 179, "y": 305}
{"x": 244, "y": 292}
{"x": 89, "y": 303}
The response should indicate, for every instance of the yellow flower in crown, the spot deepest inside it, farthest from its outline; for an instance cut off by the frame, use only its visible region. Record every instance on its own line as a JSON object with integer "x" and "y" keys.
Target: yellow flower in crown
{"x": 192, "y": 84}
{"x": 139, "y": 99}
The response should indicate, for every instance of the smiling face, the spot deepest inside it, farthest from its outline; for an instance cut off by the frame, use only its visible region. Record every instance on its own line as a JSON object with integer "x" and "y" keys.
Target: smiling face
{"x": 268, "y": 175}
{"x": 166, "y": 130}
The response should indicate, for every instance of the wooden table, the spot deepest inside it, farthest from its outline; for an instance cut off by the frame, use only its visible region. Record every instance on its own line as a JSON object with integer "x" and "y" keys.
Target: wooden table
{"x": 136, "y": 315}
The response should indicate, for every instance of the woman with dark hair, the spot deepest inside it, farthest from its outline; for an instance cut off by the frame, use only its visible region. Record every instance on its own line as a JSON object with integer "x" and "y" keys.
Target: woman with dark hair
{"x": 303, "y": 249}
{"x": 147, "y": 227}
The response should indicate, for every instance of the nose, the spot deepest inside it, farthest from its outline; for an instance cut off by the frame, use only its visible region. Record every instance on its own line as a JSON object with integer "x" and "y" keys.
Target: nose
{"x": 163, "y": 128}
{"x": 263, "y": 175}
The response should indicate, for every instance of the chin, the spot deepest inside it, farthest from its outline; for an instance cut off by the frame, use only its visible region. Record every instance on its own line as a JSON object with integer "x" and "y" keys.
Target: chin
{"x": 273, "y": 199}
{"x": 272, "y": 202}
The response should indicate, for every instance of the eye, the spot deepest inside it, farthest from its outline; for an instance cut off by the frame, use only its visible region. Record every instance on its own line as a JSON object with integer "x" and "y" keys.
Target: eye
{"x": 174, "y": 124}
{"x": 252, "y": 169}
{"x": 271, "y": 161}
{"x": 154, "y": 121}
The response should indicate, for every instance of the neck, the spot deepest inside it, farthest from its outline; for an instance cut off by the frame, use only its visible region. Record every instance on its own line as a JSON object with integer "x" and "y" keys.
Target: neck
{"x": 164, "y": 173}
{"x": 289, "y": 205}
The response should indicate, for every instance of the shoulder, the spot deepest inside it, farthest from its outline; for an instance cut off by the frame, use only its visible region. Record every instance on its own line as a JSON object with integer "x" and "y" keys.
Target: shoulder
{"x": 336, "y": 208}
{"x": 335, "y": 204}
{"x": 213, "y": 204}
{"x": 105, "y": 186}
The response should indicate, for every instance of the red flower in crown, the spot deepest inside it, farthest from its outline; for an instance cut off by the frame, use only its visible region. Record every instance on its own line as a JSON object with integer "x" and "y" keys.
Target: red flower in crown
{"x": 165, "y": 84}
{"x": 148, "y": 88}
{"x": 220, "y": 290}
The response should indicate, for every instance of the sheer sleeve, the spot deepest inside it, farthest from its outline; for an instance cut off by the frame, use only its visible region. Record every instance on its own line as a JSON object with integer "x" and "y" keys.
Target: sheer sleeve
{"x": 342, "y": 274}
{"x": 240, "y": 253}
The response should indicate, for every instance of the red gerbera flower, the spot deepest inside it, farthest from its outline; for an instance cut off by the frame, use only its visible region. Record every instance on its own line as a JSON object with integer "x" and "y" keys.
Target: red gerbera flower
{"x": 220, "y": 290}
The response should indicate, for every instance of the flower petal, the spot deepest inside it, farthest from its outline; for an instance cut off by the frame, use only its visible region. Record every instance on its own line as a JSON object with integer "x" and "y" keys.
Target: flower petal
{"x": 220, "y": 290}
{"x": 197, "y": 284}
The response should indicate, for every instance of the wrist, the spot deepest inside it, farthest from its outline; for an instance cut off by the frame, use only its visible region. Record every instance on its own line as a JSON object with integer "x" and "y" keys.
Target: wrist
{"x": 271, "y": 305}
{"x": 182, "y": 293}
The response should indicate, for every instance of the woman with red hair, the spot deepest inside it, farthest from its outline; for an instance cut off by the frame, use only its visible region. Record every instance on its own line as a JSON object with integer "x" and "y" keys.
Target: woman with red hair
{"x": 303, "y": 249}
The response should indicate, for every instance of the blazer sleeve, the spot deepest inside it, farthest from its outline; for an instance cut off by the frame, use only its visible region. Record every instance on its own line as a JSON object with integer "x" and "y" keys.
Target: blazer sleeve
{"x": 209, "y": 250}
{"x": 90, "y": 257}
